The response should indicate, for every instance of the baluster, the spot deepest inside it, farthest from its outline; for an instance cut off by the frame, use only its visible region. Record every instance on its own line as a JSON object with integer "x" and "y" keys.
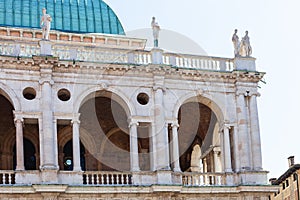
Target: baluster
{"x": 117, "y": 179}
{"x": 198, "y": 64}
{"x": 107, "y": 179}
{"x": 190, "y": 181}
{"x": 127, "y": 179}
{"x": 97, "y": 179}
{"x": 122, "y": 179}
{"x": 201, "y": 180}
{"x": 102, "y": 179}
{"x": 3, "y": 179}
{"x": 9, "y": 178}
{"x": 92, "y": 179}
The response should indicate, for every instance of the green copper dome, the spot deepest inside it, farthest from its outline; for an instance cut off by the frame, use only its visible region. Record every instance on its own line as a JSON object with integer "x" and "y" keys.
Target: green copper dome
{"x": 77, "y": 16}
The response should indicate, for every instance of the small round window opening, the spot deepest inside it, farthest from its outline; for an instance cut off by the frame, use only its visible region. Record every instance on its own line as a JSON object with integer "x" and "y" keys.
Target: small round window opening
{"x": 29, "y": 93}
{"x": 143, "y": 98}
{"x": 64, "y": 95}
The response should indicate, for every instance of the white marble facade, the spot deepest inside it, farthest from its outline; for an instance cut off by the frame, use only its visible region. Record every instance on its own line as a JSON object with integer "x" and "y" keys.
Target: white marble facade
{"x": 228, "y": 87}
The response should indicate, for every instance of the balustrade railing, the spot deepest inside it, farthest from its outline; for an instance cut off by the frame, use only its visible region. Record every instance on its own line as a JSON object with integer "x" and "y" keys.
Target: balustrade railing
{"x": 202, "y": 179}
{"x": 107, "y": 178}
{"x": 123, "y": 56}
{"x": 7, "y": 177}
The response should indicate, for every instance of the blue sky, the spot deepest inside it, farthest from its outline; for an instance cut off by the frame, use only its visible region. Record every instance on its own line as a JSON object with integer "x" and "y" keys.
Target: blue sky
{"x": 274, "y": 30}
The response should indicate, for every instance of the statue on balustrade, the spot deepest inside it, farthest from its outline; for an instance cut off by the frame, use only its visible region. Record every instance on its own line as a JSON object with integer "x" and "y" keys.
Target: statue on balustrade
{"x": 156, "y": 29}
{"x": 236, "y": 43}
{"x": 243, "y": 47}
{"x": 45, "y": 24}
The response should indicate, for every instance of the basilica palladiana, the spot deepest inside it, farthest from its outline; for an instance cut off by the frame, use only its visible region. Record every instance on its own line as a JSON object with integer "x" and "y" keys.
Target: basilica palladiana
{"x": 87, "y": 112}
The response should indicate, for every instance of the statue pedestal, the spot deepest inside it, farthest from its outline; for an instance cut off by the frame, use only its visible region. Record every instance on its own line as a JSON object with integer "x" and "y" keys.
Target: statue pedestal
{"x": 245, "y": 64}
{"x": 157, "y": 56}
{"x": 46, "y": 47}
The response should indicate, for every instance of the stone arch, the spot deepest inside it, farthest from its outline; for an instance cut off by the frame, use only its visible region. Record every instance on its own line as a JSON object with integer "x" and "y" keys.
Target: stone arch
{"x": 66, "y": 134}
{"x": 205, "y": 134}
{"x": 11, "y": 96}
{"x": 118, "y": 96}
{"x": 203, "y": 99}
{"x": 10, "y": 142}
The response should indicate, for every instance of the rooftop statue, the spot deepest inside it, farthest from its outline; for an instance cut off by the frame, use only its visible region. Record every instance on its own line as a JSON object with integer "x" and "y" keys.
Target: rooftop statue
{"x": 236, "y": 43}
{"x": 245, "y": 47}
{"x": 45, "y": 24}
{"x": 156, "y": 29}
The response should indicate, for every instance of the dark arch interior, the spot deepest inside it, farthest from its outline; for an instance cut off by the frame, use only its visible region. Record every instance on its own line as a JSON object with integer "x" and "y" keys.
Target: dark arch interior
{"x": 68, "y": 156}
{"x": 105, "y": 120}
{"x": 7, "y": 128}
{"x": 196, "y": 126}
{"x": 29, "y": 155}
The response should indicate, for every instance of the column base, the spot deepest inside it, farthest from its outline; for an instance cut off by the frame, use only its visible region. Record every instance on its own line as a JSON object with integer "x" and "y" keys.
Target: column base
{"x": 49, "y": 176}
{"x": 46, "y": 47}
{"x": 164, "y": 177}
{"x": 20, "y": 168}
{"x": 177, "y": 170}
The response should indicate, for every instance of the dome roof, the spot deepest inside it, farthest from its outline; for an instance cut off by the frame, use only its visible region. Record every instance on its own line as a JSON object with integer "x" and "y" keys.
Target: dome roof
{"x": 78, "y": 16}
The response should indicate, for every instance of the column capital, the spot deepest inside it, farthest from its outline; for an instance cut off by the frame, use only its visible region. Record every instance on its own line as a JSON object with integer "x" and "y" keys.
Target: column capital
{"x": 75, "y": 121}
{"x": 255, "y": 94}
{"x": 247, "y": 91}
{"x": 46, "y": 80}
{"x": 18, "y": 116}
{"x": 159, "y": 87}
{"x": 175, "y": 124}
{"x": 133, "y": 123}
{"x": 226, "y": 125}
{"x": 75, "y": 118}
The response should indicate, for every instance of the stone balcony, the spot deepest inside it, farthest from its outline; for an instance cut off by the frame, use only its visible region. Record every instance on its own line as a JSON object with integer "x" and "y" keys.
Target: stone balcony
{"x": 110, "y": 50}
{"x": 143, "y": 178}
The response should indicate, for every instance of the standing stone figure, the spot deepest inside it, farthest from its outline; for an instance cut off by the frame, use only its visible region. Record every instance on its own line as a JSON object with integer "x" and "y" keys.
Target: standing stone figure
{"x": 245, "y": 48}
{"x": 156, "y": 29}
{"x": 236, "y": 43}
{"x": 45, "y": 24}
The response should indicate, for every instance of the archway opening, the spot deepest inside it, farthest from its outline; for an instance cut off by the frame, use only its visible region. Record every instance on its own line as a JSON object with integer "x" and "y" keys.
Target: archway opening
{"x": 68, "y": 156}
{"x": 7, "y": 130}
{"x": 104, "y": 119}
{"x": 29, "y": 155}
{"x": 197, "y": 130}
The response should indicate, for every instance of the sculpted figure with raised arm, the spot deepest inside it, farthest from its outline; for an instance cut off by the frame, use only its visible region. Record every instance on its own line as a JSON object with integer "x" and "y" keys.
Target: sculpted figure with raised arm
{"x": 45, "y": 24}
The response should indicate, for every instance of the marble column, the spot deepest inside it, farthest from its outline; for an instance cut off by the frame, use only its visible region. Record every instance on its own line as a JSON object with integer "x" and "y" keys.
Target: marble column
{"x": 76, "y": 144}
{"x": 153, "y": 155}
{"x": 255, "y": 133}
{"x": 175, "y": 147}
{"x": 19, "y": 143}
{"x": 134, "y": 150}
{"x": 217, "y": 162}
{"x": 204, "y": 161}
{"x": 161, "y": 131}
{"x": 227, "y": 151}
{"x": 48, "y": 134}
{"x": 55, "y": 141}
{"x": 243, "y": 133}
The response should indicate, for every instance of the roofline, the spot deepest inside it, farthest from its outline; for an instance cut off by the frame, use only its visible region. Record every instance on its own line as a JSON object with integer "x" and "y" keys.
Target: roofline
{"x": 289, "y": 172}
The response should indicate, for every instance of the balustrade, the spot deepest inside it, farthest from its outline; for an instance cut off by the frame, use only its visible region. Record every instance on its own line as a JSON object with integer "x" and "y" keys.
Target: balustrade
{"x": 107, "y": 178}
{"x": 7, "y": 177}
{"x": 202, "y": 179}
{"x": 122, "y": 56}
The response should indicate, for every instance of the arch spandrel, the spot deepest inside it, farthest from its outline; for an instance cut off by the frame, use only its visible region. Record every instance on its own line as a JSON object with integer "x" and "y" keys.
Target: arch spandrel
{"x": 207, "y": 100}
{"x": 11, "y": 96}
{"x": 114, "y": 94}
